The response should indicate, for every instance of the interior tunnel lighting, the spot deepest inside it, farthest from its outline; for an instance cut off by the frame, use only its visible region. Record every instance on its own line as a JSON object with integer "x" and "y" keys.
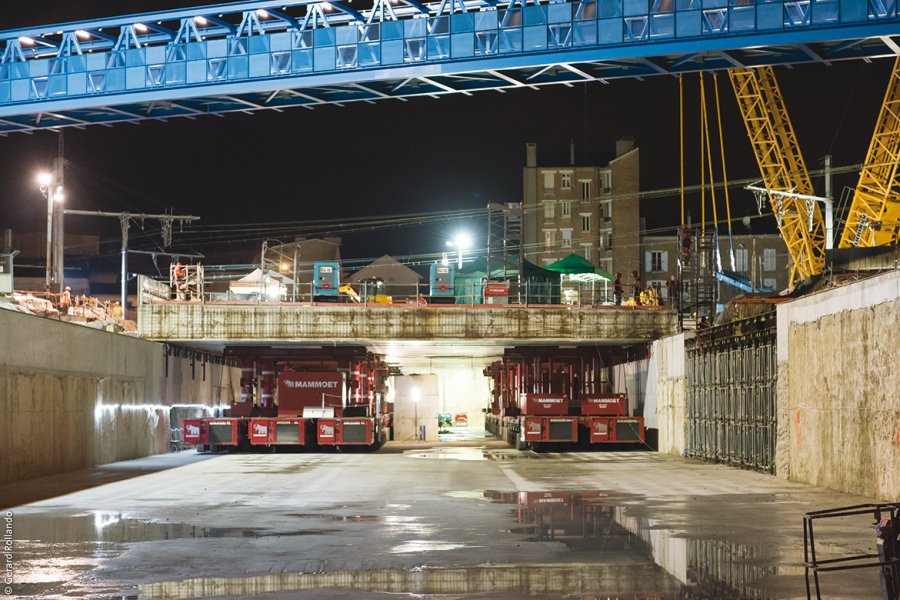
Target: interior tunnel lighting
{"x": 102, "y": 410}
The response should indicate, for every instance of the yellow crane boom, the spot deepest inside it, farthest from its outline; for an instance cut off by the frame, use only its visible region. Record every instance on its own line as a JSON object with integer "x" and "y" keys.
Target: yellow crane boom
{"x": 782, "y": 168}
{"x": 874, "y": 216}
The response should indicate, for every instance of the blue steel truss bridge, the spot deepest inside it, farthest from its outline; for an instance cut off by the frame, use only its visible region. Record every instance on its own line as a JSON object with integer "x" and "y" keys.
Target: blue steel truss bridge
{"x": 266, "y": 55}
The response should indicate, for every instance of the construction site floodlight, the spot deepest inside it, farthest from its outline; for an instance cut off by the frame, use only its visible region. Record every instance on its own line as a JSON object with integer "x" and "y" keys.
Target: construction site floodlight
{"x": 262, "y": 13}
{"x": 463, "y": 241}
{"x": 60, "y": 194}
{"x": 140, "y": 27}
{"x": 26, "y": 40}
{"x": 44, "y": 179}
{"x": 81, "y": 33}
{"x": 200, "y": 20}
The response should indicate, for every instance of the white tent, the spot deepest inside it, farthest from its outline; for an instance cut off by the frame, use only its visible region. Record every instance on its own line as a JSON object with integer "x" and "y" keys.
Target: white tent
{"x": 271, "y": 284}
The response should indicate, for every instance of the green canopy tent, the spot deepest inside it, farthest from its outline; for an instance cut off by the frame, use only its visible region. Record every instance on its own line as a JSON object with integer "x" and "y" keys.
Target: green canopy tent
{"x": 580, "y": 270}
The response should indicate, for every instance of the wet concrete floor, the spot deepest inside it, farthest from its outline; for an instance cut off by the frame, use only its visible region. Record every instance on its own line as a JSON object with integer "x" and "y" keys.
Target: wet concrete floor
{"x": 456, "y": 522}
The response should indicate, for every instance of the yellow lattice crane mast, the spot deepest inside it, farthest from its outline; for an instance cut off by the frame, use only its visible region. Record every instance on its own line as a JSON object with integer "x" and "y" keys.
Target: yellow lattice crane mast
{"x": 874, "y": 217}
{"x": 783, "y": 170}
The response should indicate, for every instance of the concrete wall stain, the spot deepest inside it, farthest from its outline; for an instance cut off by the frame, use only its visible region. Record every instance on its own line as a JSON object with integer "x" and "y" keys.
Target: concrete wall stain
{"x": 351, "y": 324}
{"x": 841, "y": 383}
{"x": 73, "y": 397}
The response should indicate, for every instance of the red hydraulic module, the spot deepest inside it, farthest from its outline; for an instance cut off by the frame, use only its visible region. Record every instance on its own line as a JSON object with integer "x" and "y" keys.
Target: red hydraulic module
{"x": 547, "y": 395}
{"x": 302, "y": 397}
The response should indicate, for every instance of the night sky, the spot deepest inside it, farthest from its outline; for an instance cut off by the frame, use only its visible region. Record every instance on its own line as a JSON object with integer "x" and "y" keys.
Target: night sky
{"x": 396, "y": 157}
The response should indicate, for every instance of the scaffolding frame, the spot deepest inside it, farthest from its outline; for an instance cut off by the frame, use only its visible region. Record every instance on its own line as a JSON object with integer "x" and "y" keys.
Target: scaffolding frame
{"x": 504, "y": 239}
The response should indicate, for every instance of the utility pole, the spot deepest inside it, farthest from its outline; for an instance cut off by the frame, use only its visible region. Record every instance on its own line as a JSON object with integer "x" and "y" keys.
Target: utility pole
{"x": 829, "y": 206}
{"x": 753, "y": 267}
{"x": 48, "y": 276}
{"x": 58, "y": 236}
{"x": 125, "y": 219}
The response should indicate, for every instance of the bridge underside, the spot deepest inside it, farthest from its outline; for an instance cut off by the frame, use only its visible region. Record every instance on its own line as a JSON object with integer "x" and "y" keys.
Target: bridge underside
{"x": 124, "y": 71}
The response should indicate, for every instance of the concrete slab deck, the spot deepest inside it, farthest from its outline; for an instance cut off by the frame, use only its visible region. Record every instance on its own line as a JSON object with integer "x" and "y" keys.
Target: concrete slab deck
{"x": 447, "y": 521}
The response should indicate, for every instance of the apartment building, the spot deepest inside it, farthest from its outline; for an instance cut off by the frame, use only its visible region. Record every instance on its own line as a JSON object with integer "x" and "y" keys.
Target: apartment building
{"x": 592, "y": 211}
{"x": 762, "y": 259}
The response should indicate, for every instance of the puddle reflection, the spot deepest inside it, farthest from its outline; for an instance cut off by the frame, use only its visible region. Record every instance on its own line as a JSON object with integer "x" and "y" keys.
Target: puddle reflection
{"x": 589, "y": 524}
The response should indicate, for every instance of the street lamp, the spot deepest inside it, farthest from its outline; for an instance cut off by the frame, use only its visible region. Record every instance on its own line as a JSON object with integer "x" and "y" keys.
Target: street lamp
{"x": 52, "y": 194}
{"x": 461, "y": 242}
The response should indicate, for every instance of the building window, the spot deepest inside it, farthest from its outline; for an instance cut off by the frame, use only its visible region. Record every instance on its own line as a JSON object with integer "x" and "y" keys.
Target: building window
{"x": 609, "y": 239}
{"x": 656, "y": 260}
{"x": 605, "y": 209}
{"x": 769, "y": 259}
{"x": 586, "y": 251}
{"x": 585, "y": 190}
{"x": 770, "y": 283}
{"x": 585, "y": 221}
{"x": 565, "y": 181}
{"x": 549, "y": 209}
{"x": 606, "y": 181}
{"x": 566, "y": 207}
{"x": 566, "y": 238}
{"x": 606, "y": 264}
{"x": 740, "y": 260}
{"x": 549, "y": 184}
{"x": 549, "y": 238}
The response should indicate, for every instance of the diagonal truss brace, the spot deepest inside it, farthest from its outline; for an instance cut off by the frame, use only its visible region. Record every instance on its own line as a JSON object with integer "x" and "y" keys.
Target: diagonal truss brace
{"x": 874, "y": 216}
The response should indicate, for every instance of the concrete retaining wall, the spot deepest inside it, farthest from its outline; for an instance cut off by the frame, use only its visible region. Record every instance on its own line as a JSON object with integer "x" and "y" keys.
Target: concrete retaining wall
{"x": 838, "y": 382}
{"x": 667, "y": 376}
{"x": 72, "y": 397}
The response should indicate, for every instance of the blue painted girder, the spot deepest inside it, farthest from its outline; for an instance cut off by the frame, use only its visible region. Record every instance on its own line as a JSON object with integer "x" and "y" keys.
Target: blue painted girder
{"x": 266, "y": 55}
{"x": 741, "y": 282}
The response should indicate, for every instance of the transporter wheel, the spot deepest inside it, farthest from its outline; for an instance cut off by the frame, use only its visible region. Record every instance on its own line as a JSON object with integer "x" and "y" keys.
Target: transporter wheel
{"x": 522, "y": 445}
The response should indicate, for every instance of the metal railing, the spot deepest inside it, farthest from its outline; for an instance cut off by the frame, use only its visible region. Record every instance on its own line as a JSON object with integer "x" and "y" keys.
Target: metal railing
{"x": 214, "y": 290}
{"x": 886, "y": 559}
{"x": 89, "y": 58}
